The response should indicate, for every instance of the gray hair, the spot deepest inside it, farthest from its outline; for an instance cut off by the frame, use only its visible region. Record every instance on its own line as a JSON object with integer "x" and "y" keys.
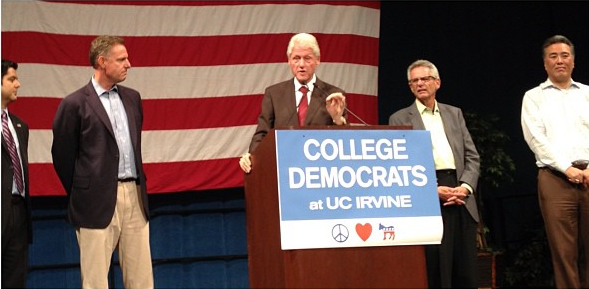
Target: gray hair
{"x": 423, "y": 63}
{"x": 305, "y": 40}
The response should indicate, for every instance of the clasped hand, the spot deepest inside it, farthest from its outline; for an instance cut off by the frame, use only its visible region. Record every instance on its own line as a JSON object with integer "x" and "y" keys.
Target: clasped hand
{"x": 452, "y": 196}
{"x": 577, "y": 176}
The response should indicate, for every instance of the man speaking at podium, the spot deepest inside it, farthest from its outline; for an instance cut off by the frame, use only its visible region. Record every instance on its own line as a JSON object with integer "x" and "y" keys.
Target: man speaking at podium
{"x": 301, "y": 101}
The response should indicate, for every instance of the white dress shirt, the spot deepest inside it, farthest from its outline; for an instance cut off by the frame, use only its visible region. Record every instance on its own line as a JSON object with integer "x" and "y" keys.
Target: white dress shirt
{"x": 555, "y": 124}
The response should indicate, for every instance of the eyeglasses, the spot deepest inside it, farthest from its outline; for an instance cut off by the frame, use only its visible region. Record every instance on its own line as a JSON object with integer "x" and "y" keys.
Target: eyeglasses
{"x": 424, "y": 79}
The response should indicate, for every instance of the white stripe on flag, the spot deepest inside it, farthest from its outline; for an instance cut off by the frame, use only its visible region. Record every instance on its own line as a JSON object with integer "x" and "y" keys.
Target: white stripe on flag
{"x": 52, "y": 80}
{"x": 143, "y": 20}
{"x": 167, "y": 145}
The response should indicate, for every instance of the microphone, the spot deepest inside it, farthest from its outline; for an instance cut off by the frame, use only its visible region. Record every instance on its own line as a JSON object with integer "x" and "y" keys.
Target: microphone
{"x": 345, "y": 108}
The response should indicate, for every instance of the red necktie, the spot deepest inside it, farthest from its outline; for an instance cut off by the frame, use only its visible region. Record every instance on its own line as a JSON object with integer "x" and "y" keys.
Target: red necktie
{"x": 13, "y": 153}
{"x": 303, "y": 105}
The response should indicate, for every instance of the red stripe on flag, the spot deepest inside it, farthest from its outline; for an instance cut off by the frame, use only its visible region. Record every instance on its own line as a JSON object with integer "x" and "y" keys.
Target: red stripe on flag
{"x": 37, "y": 112}
{"x": 161, "y": 177}
{"x": 363, "y": 106}
{"x": 172, "y": 50}
{"x": 186, "y": 176}
{"x": 160, "y": 114}
{"x": 43, "y": 180}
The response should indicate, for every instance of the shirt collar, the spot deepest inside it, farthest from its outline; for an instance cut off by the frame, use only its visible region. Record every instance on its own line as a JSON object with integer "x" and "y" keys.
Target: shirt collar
{"x": 548, "y": 83}
{"x": 99, "y": 90}
{"x": 7, "y": 115}
{"x": 309, "y": 84}
{"x": 423, "y": 109}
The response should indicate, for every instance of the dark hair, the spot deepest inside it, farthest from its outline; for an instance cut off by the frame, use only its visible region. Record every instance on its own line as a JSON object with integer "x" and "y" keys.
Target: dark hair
{"x": 557, "y": 39}
{"x": 101, "y": 45}
{"x": 8, "y": 64}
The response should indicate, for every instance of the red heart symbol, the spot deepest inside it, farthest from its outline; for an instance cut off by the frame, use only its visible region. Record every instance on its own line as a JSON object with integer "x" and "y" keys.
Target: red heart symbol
{"x": 364, "y": 231}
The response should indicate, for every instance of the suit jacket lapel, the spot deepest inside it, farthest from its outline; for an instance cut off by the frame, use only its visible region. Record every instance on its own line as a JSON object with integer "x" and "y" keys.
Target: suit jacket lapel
{"x": 290, "y": 102}
{"x": 448, "y": 121}
{"x": 128, "y": 105}
{"x": 18, "y": 128}
{"x": 415, "y": 117}
{"x": 4, "y": 145}
{"x": 94, "y": 101}
{"x": 317, "y": 99}
{"x": 20, "y": 135}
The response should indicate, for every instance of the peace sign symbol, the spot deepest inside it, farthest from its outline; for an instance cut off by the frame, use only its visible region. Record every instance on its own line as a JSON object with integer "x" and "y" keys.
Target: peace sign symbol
{"x": 340, "y": 233}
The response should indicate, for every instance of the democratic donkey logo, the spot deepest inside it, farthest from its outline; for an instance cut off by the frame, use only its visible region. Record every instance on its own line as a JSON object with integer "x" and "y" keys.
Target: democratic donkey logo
{"x": 387, "y": 231}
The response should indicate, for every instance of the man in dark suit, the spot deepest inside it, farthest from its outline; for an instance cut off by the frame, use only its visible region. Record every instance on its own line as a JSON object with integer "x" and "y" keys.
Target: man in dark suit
{"x": 452, "y": 264}
{"x": 97, "y": 155}
{"x": 17, "y": 231}
{"x": 282, "y": 106}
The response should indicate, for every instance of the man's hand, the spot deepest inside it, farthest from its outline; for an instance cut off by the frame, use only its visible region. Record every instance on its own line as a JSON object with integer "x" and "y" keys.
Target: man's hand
{"x": 335, "y": 104}
{"x": 245, "y": 163}
{"x": 585, "y": 180}
{"x": 452, "y": 196}
{"x": 577, "y": 176}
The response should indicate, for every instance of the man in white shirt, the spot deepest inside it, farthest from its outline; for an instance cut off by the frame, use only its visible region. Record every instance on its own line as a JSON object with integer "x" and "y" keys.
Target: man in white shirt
{"x": 555, "y": 124}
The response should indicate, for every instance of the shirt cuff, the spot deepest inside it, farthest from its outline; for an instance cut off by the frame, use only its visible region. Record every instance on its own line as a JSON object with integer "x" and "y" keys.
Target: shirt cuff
{"x": 342, "y": 120}
{"x": 468, "y": 187}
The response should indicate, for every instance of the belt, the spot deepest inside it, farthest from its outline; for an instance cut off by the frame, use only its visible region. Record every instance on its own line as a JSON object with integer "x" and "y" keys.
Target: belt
{"x": 446, "y": 177}
{"x": 446, "y": 172}
{"x": 556, "y": 173}
{"x": 128, "y": 180}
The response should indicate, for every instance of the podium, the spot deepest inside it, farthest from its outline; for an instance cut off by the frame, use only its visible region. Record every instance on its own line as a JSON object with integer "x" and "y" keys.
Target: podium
{"x": 353, "y": 267}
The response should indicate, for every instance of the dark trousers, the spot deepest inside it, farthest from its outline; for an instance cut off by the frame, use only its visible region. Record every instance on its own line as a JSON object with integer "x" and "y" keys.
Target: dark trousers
{"x": 15, "y": 246}
{"x": 453, "y": 263}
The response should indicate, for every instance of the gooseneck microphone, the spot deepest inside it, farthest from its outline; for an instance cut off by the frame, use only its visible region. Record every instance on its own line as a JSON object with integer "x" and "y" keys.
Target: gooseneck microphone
{"x": 345, "y": 108}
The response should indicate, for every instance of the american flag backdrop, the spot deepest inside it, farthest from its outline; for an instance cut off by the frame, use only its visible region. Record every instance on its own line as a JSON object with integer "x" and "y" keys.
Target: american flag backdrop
{"x": 201, "y": 68}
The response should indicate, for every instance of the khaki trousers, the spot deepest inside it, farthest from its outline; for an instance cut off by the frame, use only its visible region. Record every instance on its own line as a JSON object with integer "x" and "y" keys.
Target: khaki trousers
{"x": 129, "y": 232}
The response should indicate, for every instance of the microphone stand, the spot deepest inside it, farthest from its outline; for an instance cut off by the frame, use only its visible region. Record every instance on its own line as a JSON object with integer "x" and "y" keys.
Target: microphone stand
{"x": 345, "y": 108}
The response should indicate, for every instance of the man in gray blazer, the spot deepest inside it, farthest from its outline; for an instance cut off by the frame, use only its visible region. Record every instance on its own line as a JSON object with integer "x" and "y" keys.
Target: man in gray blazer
{"x": 97, "y": 155}
{"x": 453, "y": 263}
{"x": 17, "y": 232}
{"x": 282, "y": 101}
